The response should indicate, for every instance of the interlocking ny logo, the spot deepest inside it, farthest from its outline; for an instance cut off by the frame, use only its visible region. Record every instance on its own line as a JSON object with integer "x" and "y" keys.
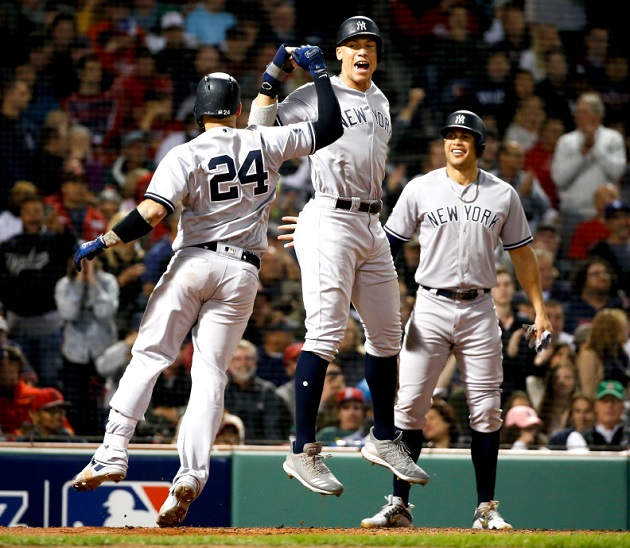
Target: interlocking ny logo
{"x": 460, "y": 119}
{"x": 361, "y": 25}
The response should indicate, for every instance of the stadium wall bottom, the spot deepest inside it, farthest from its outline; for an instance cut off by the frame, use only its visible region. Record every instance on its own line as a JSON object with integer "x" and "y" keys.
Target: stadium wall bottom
{"x": 248, "y": 488}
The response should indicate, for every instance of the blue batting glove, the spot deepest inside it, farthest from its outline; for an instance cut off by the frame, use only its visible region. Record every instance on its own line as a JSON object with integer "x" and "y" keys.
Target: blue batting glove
{"x": 310, "y": 58}
{"x": 276, "y": 72}
{"x": 89, "y": 250}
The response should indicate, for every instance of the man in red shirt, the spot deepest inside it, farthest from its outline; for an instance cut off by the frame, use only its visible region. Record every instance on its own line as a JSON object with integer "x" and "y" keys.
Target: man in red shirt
{"x": 593, "y": 230}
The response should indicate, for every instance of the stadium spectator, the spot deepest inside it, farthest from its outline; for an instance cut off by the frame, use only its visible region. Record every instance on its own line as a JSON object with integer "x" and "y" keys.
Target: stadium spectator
{"x": 593, "y": 287}
{"x": 18, "y": 139}
{"x": 87, "y": 302}
{"x": 10, "y": 222}
{"x": 333, "y": 384}
{"x": 526, "y": 126}
{"x": 48, "y": 417}
{"x": 584, "y": 159}
{"x": 589, "y": 232}
{"x": 351, "y": 414}
{"x": 442, "y": 429}
{"x": 603, "y": 355}
{"x": 287, "y": 390}
{"x": 539, "y": 157}
{"x": 554, "y": 409}
{"x": 209, "y": 21}
{"x": 266, "y": 417}
{"x": 30, "y": 265}
{"x": 581, "y": 417}
{"x": 521, "y": 429}
{"x": 608, "y": 433}
{"x": 545, "y": 37}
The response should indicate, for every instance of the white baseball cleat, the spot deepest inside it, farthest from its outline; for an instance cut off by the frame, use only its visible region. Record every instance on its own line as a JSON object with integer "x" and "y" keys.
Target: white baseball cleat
{"x": 309, "y": 469}
{"x": 176, "y": 505}
{"x": 107, "y": 464}
{"x": 393, "y": 454}
{"x": 393, "y": 514}
{"x": 487, "y": 517}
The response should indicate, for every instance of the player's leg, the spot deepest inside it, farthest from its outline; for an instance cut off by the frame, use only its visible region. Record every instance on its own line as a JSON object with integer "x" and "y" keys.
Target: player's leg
{"x": 327, "y": 263}
{"x": 225, "y": 317}
{"x": 479, "y": 357}
{"x": 426, "y": 347}
{"x": 170, "y": 312}
{"x": 376, "y": 297}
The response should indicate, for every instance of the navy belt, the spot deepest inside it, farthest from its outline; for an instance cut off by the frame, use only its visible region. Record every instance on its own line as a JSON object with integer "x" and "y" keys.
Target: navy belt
{"x": 246, "y": 256}
{"x": 367, "y": 207}
{"x": 457, "y": 294}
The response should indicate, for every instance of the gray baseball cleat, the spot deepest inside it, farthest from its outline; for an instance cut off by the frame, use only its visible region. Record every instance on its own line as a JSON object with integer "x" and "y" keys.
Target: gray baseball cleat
{"x": 311, "y": 471}
{"x": 487, "y": 517}
{"x": 176, "y": 505}
{"x": 393, "y": 514}
{"x": 107, "y": 464}
{"x": 394, "y": 454}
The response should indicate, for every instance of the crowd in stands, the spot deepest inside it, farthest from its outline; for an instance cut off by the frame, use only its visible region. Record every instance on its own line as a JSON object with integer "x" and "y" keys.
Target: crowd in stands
{"x": 95, "y": 93}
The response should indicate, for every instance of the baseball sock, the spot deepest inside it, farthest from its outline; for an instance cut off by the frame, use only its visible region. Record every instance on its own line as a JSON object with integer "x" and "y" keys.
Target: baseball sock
{"x": 484, "y": 450}
{"x": 381, "y": 375}
{"x": 413, "y": 440}
{"x": 309, "y": 385}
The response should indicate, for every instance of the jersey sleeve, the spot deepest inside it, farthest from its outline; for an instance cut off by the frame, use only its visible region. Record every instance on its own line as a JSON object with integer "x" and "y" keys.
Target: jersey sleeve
{"x": 284, "y": 143}
{"x": 405, "y": 217}
{"x": 515, "y": 232}
{"x": 168, "y": 185}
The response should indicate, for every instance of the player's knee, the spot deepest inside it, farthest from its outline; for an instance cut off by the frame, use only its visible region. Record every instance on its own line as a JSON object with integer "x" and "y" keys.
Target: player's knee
{"x": 485, "y": 416}
{"x": 406, "y": 419}
{"x": 384, "y": 345}
{"x": 325, "y": 350}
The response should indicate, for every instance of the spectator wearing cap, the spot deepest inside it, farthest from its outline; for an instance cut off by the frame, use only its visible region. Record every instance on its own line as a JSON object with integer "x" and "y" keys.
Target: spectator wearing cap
{"x": 276, "y": 338}
{"x": 175, "y": 54}
{"x": 15, "y": 394}
{"x": 594, "y": 229}
{"x": 72, "y": 207}
{"x": 134, "y": 154}
{"x": 521, "y": 430}
{"x": 48, "y": 415}
{"x": 351, "y": 414}
{"x": 109, "y": 202}
{"x": 616, "y": 247}
{"x": 608, "y": 433}
{"x": 231, "y": 431}
{"x": 287, "y": 390}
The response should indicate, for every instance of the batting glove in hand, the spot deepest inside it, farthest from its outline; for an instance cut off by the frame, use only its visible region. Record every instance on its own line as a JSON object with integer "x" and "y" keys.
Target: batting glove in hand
{"x": 530, "y": 335}
{"x": 276, "y": 72}
{"x": 310, "y": 58}
{"x": 89, "y": 250}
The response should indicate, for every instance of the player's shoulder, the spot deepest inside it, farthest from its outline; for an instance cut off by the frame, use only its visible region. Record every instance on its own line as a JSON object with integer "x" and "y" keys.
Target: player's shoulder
{"x": 430, "y": 177}
{"x": 487, "y": 178}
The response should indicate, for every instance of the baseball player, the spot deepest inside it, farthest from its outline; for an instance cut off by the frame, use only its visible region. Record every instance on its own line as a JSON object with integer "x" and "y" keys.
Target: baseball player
{"x": 460, "y": 214}
{"x": 343, "y": 253}
{"x": 226, "y": 181}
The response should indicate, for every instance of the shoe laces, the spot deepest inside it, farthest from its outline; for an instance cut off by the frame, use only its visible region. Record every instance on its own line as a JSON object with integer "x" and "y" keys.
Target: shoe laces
{"x": 399, "y": 451}
{"x": 313, "y": 463}
{"x": 490, "y": 511}
{"x": 391, "y": 508}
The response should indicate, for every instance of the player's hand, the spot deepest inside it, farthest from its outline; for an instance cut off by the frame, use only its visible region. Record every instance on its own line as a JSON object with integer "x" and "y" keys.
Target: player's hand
{"x": 276, "y": 71}
{"x": 290, "y": 227}
{"x": 310, "y": 58}
{"x": 89, "y": 250}
{"x": 542, "y": 341}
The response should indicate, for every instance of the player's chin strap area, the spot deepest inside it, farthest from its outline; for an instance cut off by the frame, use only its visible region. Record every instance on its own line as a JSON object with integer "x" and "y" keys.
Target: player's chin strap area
{"x": 231, "y": 251}
{"x": 457, "y": 294}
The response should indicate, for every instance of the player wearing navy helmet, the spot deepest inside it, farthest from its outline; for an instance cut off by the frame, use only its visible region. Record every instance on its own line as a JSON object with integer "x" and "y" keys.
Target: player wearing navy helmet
{"x": 226, "y": 181}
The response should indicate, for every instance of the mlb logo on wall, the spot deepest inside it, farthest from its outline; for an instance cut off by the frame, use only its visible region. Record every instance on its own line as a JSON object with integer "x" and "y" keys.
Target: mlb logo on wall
{"x": 131, "y": 503}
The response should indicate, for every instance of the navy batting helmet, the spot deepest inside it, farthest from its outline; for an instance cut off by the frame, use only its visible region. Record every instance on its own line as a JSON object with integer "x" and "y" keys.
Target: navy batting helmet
{"x": 360, "y": 26}
{"x": 465, "y": 119}
{"x": 218, "y": 95}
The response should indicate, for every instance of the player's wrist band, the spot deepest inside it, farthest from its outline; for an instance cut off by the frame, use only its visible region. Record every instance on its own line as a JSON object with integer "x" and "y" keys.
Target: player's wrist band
{"x": 132, "y": 227}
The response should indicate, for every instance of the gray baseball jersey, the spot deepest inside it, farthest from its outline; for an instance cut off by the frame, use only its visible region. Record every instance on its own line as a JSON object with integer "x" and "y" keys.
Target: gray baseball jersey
{"x": 226, "y": 180}
{"x": 355, "y": 165}
{"x": 458, "y": 227}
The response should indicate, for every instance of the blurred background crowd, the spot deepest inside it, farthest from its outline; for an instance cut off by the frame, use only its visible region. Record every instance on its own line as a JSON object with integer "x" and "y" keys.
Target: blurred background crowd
{"x": 94, "y": 93}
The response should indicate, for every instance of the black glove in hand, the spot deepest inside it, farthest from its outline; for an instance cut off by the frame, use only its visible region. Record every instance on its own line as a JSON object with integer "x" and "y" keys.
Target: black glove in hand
{"x": 89, "y": 250}
{"x": 310, "y": 58}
